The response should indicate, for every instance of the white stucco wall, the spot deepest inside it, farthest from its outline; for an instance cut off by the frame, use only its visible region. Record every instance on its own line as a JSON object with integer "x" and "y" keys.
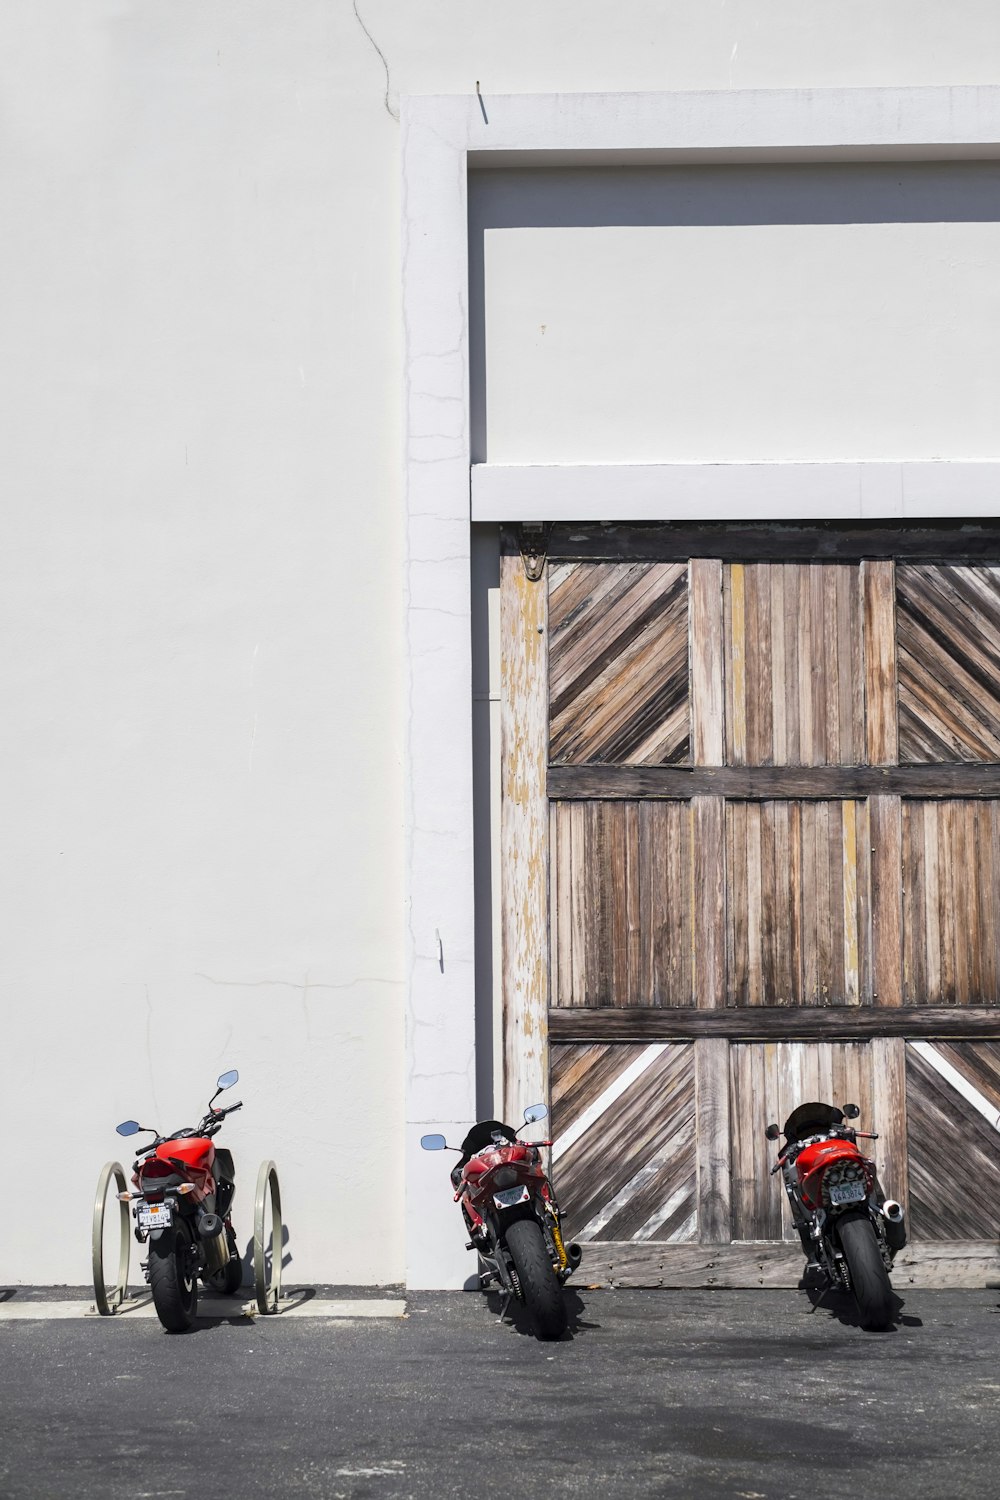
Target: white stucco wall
{"x": 752, "y": 314}
{"x": 200, "y": 455}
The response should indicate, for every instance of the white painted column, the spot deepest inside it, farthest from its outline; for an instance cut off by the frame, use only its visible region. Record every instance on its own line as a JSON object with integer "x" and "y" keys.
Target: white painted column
{"x": 440, "y": 1092}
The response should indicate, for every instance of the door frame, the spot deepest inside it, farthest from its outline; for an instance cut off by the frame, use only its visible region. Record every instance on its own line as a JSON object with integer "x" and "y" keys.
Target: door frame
{"x": 442, "y": 139}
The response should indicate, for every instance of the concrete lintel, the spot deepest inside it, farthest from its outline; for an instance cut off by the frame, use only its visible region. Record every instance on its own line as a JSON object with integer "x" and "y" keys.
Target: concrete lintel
{"x": 733, "y": 492}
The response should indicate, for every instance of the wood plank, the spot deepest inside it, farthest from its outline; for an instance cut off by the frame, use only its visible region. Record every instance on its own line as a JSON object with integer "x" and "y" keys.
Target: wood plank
{"x": 524, "y": 821}
{"x": 887, "y": 901}
{"x": 712, "y": 1150}
{"x": 777, "y": 1022}
{"x": 888, "y": 1117}
{"x": 960, "y": 541}
{"x": 707, "y": 703}
{"x": 923, "y": 1264}
{"x": 708, "y": 936}
{"x": 782, "y": 685}
{"x": 878, "y": 588}
{"x": 735, "y": 668}
{"x": 849, "y": 859}
{"x": 760, "y": 783}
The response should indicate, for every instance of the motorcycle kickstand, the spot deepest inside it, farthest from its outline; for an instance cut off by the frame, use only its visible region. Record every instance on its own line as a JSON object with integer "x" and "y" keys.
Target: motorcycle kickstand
{"x": 504, "y": 1306}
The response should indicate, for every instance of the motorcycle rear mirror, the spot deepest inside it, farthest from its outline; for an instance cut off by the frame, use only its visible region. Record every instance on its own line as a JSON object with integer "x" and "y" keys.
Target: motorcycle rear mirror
{"x": 128, "y": 1127}
{"x": 772, "y": 1132}
{"x": 534, "y": 1112}
{"x": 226, "y": 1080}
{"x": 850, "y": 1111}
{"x": 433, "y": 1143}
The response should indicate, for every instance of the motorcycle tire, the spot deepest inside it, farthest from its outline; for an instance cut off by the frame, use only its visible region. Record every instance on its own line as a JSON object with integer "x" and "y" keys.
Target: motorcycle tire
{"x": 542, "y": 1293}
{"x": 173, "y": 1280}
{"x": 229, "y": 1280}
{"x": 869, "y": 1277}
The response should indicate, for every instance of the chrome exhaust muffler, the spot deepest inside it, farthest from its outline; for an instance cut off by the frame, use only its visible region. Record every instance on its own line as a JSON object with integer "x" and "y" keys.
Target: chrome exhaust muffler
{"x": 216, "y": 1242}
{"x": 895, "y": 1224}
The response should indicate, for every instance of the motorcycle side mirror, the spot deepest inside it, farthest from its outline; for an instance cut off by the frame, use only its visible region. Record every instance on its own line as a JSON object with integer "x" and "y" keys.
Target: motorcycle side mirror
{"x": 129, "y": 1127}
{"x": 433, "y": 1143}
{"x": 227, "y": 1080}
{"x": 772, "y": 1132}
{"x": 850, "y": 1111}
{"x": 534, "y": 1112}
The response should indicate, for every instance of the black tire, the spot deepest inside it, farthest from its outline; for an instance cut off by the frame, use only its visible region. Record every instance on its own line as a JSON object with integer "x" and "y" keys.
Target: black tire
{"x": 542, "y": 1293}
{"x": 173, "y": 1280}
{"x": 229, "y": 1280}
{"x": 869, "y": 1277}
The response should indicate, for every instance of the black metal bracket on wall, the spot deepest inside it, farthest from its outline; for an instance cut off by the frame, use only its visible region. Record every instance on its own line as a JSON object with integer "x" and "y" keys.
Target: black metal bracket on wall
{"x": 533, "y": 544}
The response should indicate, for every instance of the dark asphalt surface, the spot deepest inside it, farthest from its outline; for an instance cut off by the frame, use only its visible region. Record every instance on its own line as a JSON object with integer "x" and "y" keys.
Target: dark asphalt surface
{"x": 750, "y": 1395}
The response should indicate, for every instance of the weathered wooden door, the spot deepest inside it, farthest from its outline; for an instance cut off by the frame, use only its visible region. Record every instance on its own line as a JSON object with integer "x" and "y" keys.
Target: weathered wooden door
{"x": 751, "y": 855}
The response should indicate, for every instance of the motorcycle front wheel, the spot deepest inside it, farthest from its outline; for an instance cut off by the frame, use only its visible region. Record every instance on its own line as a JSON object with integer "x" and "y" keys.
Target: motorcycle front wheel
{"x": 173, "y": 1280}
{"x": 869, "y": 1277}
{"x": 543, "y": 1296}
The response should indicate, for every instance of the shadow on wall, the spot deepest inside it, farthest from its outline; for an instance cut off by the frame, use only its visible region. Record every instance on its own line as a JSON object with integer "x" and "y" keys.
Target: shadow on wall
{"x": 247, "y": 1258}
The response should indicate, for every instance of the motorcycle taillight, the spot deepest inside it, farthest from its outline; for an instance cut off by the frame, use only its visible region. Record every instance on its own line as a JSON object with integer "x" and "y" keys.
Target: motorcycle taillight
{"x": 151, "y": 1169}
{"x": 841, "y": 1175}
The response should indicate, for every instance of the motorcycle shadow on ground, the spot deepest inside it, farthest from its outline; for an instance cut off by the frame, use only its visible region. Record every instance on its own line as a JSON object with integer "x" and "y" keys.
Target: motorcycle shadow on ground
{"x": 213, "y": 1306}
{"x": 518, "y": 1317}
{"x": 842, "y": 1307}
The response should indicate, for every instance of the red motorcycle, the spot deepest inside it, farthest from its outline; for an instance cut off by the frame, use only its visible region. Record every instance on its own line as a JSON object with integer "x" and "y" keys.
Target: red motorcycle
{"x": 512, "y": 1218}
{"x": 184, "y": 1193}
{"x": 849, "y": 1230}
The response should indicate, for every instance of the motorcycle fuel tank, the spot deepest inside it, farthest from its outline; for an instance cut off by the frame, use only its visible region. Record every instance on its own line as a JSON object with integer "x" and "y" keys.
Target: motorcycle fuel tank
{"x": 195, "y": 1151}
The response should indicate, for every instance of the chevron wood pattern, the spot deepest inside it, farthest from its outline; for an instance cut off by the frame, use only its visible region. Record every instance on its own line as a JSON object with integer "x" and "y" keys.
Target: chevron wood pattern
{"x": 952, "y": 1103}
{"x": 794, "y": 667}
{"x": 618, "y": 664}
{"x": 951, "y": 902}
{"x": 948, "y": 628}
{"x": 623, "y": 1158}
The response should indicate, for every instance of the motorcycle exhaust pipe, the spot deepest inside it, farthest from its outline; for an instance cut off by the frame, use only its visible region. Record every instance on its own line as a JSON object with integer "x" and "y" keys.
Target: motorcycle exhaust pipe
{"x": 574, "y": 1255}
{"x": 895, "y": 1224}
{"x": 210, "y": 1228}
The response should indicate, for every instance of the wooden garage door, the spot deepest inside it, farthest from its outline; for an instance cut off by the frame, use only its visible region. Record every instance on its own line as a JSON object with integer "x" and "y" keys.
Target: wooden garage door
{"x": 751, "y": 855}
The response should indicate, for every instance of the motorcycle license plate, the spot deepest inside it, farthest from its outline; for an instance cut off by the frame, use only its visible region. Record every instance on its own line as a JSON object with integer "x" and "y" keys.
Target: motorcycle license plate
{"x": 155, "y": 1215}
{"x": 848, "y": 1192}
{"x": 509, "y": 1196}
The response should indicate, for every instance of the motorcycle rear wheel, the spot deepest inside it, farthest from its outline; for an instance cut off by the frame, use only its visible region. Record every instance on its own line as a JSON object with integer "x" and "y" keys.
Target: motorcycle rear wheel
{"x": 869, "y": 1277}
{"x": 173, "y": 1280}
{"x": 540, "y": 1288}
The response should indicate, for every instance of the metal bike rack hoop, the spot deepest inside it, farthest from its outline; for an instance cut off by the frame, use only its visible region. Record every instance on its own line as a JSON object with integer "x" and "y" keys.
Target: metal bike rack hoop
{"x": 267, "y": 1295}
{"x": 107, "y": 1305}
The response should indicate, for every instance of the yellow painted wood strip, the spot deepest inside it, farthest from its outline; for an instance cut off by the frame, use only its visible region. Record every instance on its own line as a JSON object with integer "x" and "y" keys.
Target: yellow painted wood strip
{"x": 524, "y": 835}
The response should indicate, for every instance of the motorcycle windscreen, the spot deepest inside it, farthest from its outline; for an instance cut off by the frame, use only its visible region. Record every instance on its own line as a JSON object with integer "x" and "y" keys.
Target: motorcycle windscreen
{"x": 808, "y": 1119}
{"x": 481, "y": 1134}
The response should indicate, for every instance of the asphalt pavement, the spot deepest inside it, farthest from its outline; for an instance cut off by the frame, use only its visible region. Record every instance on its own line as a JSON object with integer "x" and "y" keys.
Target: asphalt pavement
{"x": 750, "y": 1395}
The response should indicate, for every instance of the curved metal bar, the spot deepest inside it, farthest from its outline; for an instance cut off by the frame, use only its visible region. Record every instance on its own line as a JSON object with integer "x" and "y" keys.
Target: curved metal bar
{"x": 267, "y": 1295}
{"x": 110, "y": 1304}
